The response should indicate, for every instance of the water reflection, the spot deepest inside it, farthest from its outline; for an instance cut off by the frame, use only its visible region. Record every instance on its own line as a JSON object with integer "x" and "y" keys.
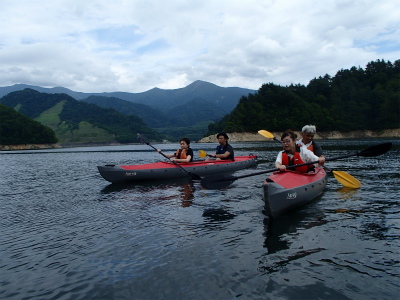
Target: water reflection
{"x": 346, "y": 193}
{"x": 278, "y": 230}
{"x": 217, "y": 215}
{"x": 176, "y": 189}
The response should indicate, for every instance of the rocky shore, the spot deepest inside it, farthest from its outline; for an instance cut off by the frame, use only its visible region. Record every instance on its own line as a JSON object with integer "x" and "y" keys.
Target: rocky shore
{"x": 28, "y": 147}
{"x": 255, "y": 137}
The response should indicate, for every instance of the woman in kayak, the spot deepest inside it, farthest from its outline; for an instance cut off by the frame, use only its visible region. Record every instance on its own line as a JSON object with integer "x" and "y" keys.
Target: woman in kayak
{"x": 293, "y": 154}
{"x": 185, "y": 154}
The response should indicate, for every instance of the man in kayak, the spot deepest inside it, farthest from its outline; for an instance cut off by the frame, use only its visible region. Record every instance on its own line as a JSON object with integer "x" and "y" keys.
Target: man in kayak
{"x": 185, "y": 154}
{"x": 307, "y": 140}
{"x": 295, "y": 155}
{"x": 224, "y": 150}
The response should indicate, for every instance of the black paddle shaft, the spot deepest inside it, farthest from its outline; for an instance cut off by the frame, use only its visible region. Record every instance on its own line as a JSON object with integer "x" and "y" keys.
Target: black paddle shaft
{"x": 144, "y": 140}
{"x": 222, "y": 181}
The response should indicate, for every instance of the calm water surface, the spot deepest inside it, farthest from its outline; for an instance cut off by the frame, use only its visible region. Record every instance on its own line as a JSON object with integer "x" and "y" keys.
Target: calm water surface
{"x": 66, "y": 233}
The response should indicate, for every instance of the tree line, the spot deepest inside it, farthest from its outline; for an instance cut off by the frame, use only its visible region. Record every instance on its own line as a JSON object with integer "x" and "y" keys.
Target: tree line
{"x": 354, "y": 99}
{"x": 15, "y": 129}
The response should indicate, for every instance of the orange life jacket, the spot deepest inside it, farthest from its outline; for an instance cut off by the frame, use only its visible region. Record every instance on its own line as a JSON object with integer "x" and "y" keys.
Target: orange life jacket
{"x": 296, "y": 160}
{"x": 181, "y": 154}
{"x": 311, "y": 147}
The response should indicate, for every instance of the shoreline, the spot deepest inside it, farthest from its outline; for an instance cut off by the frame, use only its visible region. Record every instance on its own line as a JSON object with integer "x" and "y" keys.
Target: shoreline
{"x": 329, "y": 135}
{"x": 233, "y": 137}
{"x": 29, "y": 147}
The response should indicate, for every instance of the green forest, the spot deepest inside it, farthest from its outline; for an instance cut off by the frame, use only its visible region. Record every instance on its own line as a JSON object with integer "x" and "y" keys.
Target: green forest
{"x": 75, "y": 121}
{"x": 354, "y": 99}
{"x": 15, "y": 129}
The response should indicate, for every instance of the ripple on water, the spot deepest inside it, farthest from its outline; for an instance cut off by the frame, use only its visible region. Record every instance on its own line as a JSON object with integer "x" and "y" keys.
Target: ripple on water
{"x": 68, "y": 234}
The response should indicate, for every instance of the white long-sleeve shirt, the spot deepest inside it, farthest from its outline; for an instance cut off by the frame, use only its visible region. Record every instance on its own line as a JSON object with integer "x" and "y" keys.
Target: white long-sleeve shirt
{"x": 305, "y": 155}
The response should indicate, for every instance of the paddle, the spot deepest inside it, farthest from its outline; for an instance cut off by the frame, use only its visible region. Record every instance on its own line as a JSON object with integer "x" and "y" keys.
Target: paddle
{"x": 269, "y": 135}
{"x": 203, "y": 153}
{"x": 142, "y": 139}
{"x": 344, "y": 178}
{"x": 216, "y": 182}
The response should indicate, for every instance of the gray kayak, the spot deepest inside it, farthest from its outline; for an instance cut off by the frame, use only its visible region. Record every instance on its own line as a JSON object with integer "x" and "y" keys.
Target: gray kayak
{"x": 285, "y": 191}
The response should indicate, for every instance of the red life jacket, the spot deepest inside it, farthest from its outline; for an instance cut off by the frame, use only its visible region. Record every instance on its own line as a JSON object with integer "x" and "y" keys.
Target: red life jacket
{"x": 296, "y": 160}
{"x": 181, "y": 154}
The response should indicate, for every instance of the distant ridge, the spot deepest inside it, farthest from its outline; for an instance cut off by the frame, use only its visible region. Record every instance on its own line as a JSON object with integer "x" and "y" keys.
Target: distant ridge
{"x": 161, "y": 99}
{"x": 185, "y": 111}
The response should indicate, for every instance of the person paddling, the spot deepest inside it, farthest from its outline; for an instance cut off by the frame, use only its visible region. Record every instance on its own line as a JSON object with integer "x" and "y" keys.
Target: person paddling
{"x": 294, "y": 154}
{"x": 185, "y": 154}
{"x": 224, "y": 150}
{"x": 307, "y": 140}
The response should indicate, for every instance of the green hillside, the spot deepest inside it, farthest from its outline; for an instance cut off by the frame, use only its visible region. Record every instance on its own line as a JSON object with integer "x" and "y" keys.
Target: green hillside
{"x": 15, "y": 129}
{"x": 78, "y": 122}
{"x": 150, "y": 116}
{"x": 190, "y": 119}
{"x": 366, "y": 99}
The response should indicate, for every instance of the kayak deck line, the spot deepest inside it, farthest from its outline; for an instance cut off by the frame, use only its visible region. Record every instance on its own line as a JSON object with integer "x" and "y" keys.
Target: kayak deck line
{"x": 285, "y": 179}
{"x": 168, "y": 164}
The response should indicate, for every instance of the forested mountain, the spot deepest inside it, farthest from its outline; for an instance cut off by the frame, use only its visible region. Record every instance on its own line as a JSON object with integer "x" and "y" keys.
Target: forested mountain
{"x": 190, "y": 109}
{"x": 160, "y": 99}
{"x": 190, "y": 113}
{"x": 367, "y": 99}
{"x": 76, "y": 121}
{"x": 150, "y": 116}
{"x": 15, "y": 129}
{"x": 165, "y": 100}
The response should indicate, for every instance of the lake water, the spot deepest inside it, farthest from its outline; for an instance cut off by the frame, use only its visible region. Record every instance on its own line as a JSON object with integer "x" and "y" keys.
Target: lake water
{"x": 66, "y": 233}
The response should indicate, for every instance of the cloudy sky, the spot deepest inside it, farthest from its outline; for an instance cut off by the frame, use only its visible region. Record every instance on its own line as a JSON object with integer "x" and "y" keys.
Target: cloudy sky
{"x": 134, "y": 46}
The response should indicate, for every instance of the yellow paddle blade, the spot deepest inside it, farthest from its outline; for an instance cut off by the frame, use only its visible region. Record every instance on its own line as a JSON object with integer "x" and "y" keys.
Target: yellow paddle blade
{"x": 346, "y": 179}
{"x": 265, "y": 133}
{"x": 202, "y": 153}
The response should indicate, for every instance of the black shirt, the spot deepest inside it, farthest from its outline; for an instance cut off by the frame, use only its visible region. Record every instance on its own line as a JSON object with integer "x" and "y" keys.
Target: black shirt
{"x": 222, "y": 149}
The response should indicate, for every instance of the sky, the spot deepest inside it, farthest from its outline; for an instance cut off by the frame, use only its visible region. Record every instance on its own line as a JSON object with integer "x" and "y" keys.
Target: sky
{"x": 134, "y": 46}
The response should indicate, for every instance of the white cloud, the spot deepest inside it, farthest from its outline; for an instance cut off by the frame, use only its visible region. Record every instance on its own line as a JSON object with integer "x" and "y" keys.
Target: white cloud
{"x": 133, "y": 46}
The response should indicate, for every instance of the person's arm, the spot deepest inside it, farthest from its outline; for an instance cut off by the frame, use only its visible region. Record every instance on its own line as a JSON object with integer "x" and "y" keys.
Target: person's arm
{"x": 222, "y": 156}
{"x": 187, "y": 159}
{"x": 309, "y": 156}
{"x": 318, "y": 150}
{"x": 278, "y": 162}
{"x": 167, "y": 155}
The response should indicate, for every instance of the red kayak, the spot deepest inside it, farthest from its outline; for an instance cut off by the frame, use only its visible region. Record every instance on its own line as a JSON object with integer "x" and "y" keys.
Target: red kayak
{"x": 166, "y": 170}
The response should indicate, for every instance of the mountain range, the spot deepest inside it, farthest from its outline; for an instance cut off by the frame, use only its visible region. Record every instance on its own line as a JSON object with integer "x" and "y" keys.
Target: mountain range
{"x": 160, "y": 99}
{"x": 173, "y": 113}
